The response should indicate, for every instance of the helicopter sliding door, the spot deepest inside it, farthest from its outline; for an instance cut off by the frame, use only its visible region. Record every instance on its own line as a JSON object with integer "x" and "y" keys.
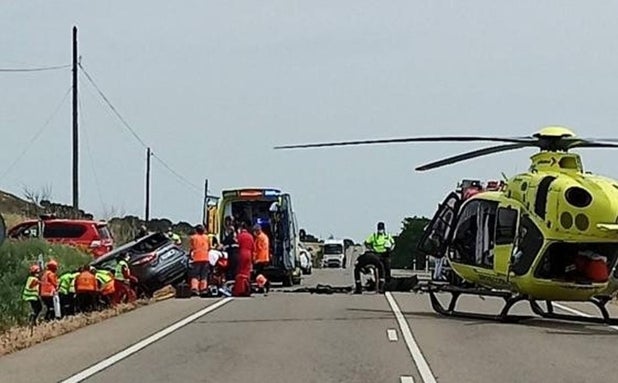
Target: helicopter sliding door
{"x": 434, "y": 241}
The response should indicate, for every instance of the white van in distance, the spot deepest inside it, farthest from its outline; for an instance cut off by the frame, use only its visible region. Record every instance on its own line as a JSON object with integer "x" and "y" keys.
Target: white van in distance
{"x": 334, "y": 253}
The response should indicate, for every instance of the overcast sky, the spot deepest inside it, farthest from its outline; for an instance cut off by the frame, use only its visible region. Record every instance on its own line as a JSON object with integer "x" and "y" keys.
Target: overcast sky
{"x": 212, "y": 86}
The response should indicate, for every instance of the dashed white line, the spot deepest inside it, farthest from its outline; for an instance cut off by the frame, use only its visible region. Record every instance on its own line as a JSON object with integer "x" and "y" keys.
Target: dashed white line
{"x": 577, "y": 312}
{"x": 105, "y": 363}
{"x": 407, "y": 379}
{"x": 392, "y": 335}
{"x": 415, "y": 351}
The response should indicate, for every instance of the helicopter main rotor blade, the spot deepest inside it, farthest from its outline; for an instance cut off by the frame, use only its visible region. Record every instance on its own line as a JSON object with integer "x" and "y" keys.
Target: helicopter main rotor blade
{"x": 520, "y": 140}
{"x": 472, "y": 154}
{"x": 595, "y": 145}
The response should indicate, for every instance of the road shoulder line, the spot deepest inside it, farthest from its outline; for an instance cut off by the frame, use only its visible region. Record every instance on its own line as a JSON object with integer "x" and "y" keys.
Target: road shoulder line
{"x": 115, "y": 358}
{"x": 413, "y": 348}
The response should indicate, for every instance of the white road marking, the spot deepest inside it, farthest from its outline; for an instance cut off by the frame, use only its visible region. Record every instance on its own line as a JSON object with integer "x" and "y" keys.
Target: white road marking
{"x": 105, "y": 363}
{"x": 577, "y": 312}
{"x": 407, "y": 379}
{"x": 415, "y": 351}
{"x": 392, "y": 334}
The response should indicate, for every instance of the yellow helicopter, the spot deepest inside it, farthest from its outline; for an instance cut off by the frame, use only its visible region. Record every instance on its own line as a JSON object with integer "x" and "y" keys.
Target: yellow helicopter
{"x": 550, "y": 234}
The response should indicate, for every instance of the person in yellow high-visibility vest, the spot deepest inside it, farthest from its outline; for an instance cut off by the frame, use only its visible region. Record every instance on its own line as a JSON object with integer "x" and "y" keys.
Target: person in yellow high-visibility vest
{"x": 31, "y": 293}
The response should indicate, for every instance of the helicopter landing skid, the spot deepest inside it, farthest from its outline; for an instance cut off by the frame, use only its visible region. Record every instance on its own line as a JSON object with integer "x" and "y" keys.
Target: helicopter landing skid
{"x": 600, "y": 303}
{"x": 456, "y": 292}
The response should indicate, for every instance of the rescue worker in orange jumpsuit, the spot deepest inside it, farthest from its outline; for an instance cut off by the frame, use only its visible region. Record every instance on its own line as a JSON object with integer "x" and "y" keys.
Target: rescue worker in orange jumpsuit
{"x": 49, "y": 287}
{"x": 200, "y": 246}
{"x": 261, "y": 256}
{"x": 31, "y": 293}
{"x": 246, "y": 248}
{"x": 86, "y": 289}
{"x": 123, "y": 280}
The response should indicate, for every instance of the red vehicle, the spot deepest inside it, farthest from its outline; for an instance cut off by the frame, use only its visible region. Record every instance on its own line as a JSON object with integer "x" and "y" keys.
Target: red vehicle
{"x": 91, "y": 236}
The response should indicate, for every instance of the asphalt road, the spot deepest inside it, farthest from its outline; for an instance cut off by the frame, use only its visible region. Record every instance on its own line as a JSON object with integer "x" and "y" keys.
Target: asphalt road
{"x": 293, "y": 337}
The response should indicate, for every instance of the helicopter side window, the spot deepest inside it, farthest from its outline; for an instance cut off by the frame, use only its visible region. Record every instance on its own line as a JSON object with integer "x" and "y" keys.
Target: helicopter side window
{"x": 506, "y": 226}
{"x": 474, "y": 238}
{"x": 528, "y": 246}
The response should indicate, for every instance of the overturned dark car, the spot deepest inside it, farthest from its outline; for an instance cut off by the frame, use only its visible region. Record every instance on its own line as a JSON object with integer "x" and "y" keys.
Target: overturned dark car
{"x": 155, "y": 260}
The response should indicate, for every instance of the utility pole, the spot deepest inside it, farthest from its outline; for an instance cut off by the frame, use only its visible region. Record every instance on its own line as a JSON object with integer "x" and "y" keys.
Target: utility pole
{"x": 75, "y": 127}
{"x": 205, "y": 218}
{"x": 148, "y": 155}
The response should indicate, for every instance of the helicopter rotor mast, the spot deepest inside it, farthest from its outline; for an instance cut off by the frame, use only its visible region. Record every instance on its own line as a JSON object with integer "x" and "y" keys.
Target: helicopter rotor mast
{"x": 549, "y": 139}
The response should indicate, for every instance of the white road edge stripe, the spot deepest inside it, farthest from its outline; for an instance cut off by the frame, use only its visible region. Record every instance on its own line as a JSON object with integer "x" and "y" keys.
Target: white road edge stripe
{"x": 415, "y": 351}
{"x": 577, "y": 312}
{"x": 392, "y": 335}
{"x": 105, "y": 363}
{"x": 407, "y": 379}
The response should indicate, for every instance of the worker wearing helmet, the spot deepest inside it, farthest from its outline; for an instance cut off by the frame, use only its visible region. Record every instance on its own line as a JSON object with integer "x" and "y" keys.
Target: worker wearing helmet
{"x": 66, "y": 290}
{"x": 123, "y": 280}
{"x": 86, "y": 289}
{"x": 381, "y": 243}
{"x": 174, "y": 237}
{"x": 31, "y": 293}
{"x": 49, "y": 287}
{"x": 200, "y": 246}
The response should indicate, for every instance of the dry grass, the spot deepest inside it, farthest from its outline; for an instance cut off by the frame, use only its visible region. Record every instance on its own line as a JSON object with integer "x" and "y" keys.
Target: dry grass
{"x": 21, "y": 337}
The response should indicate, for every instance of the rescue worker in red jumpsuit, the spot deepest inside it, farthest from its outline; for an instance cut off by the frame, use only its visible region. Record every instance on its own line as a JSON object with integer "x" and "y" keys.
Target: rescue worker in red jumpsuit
{"x": 246, "y": 248}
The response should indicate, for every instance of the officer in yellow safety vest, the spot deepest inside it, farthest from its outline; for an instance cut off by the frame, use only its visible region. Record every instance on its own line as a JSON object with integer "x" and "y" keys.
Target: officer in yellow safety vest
{"x": 31, "y": 293}
{"x": 66, "y": 290}
{"x": 381, "y": 244}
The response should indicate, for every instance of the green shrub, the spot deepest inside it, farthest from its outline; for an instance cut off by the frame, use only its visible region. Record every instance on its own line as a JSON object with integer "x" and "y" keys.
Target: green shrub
{"x": 15, "y": 260}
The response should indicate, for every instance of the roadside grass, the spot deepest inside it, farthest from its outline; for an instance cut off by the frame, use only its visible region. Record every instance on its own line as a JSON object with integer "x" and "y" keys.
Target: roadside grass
{"x": 15, "y": 260}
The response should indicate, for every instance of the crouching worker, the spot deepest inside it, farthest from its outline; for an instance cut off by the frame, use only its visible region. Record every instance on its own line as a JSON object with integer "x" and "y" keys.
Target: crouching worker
{"x": 218, "y": 263}
{"x": 31, "y": 294}
{"x": 123, "y": 291}
{"x": 66, "y": 290}
{"x": 86, "y": 289}
{"x": 363, "y": 265}
{"x": 105, "y": 287}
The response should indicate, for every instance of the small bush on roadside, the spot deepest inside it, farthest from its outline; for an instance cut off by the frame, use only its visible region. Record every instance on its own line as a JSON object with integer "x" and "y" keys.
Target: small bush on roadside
{"x": 15, "y": 259}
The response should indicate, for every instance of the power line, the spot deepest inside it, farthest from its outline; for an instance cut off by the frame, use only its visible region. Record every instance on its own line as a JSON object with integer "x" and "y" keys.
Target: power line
{"x": 124, "y": 122}
{"x": 39, "y": 69}
{"x": 132, "y": 131}
{"x": 36, "y": 135}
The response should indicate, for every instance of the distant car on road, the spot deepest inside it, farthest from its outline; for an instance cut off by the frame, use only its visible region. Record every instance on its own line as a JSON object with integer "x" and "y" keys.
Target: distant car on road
{"x": 155, "y": 260}
{"x": 92, "y": 236}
